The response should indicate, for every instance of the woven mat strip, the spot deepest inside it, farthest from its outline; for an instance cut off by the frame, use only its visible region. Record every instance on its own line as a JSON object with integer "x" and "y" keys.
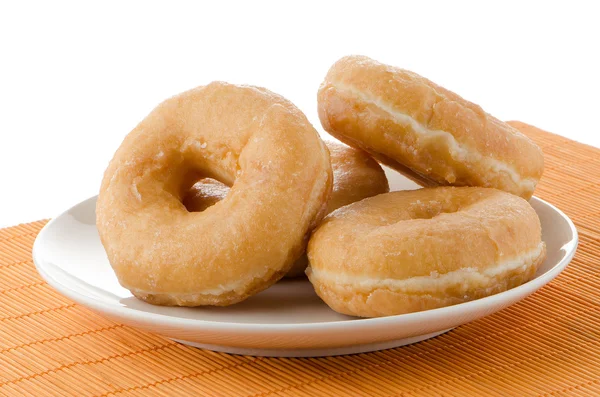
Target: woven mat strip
{"x": 546, "y": 345}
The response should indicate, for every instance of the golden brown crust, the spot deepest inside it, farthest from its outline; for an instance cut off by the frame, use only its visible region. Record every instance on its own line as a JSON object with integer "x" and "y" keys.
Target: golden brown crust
{"x": 415, "y": 250}
{"x": 247, "y": 137}
{"x": 223, "y": 299}
{"x": 418, "y": 127}
{"x": 355, "y": 176}
{"x": 385, "y": 302}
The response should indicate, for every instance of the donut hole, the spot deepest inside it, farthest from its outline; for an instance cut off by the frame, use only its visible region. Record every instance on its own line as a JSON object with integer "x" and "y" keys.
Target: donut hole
{"x": 207, "y": 176}
{"x": 203, "y": 194}
{"x": 430, "y": 209}
{"x": 446, "y": 203}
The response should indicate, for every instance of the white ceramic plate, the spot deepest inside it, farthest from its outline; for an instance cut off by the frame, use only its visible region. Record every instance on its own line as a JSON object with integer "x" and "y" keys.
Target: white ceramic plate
{"x": 288, "y": 319}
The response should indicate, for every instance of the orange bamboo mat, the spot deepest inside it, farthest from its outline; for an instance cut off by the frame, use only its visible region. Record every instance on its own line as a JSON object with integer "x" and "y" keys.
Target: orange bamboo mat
{"x": 547, "y": 345}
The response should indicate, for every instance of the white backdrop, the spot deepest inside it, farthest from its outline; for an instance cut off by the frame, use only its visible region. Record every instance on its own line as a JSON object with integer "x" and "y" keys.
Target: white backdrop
{"x": 75, "y": 78}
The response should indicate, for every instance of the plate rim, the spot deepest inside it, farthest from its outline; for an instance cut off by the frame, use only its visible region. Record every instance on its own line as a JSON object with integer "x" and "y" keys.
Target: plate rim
{"x": 154, "y": 319}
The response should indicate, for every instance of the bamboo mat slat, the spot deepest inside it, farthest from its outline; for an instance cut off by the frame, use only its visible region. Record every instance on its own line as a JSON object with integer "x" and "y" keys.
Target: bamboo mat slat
{"x": 546, "y": 345}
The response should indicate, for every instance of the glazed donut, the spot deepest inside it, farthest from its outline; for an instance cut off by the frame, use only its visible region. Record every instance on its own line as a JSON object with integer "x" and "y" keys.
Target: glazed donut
{"x": 424, "y": 131}
{"x": 249, "y": 138}
{"x": 355, "y": 176}
{"x": 409, "y": 251}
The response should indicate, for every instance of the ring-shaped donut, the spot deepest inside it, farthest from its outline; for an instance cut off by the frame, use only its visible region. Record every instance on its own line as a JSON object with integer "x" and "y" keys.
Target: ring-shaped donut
{"x": 247, "y": 137}
{"x": 425, "y": 131}
{"x": 409, "y": 251}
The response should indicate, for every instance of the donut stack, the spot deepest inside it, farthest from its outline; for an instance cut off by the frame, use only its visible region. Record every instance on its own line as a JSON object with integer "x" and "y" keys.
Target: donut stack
{"x": 221, "y": 190}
